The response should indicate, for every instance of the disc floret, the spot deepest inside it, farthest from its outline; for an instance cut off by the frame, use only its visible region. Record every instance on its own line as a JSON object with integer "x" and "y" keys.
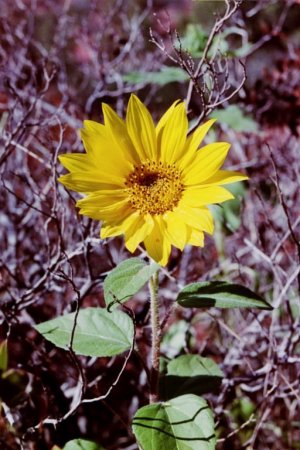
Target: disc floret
{"x": 154, "y": 187}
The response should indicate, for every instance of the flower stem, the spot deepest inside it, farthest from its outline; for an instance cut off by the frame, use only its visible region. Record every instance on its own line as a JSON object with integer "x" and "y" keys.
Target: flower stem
{"x": 156, "y": 336}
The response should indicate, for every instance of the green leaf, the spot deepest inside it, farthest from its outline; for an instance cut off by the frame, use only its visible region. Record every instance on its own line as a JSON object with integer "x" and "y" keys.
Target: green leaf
{"x": 221, "y": 295}
{"x": 127, "y": 279}
{"x": 190, "y": 374}
{"x": 194, "y": 40}
{"x": 82, "y": 444}
{"x": 242, "y": 408}
{"x": 164, "y": 76}
{"x": 183, "y": 423}
{"x": 97, "y": 333}
{"x": 193, "y": 365}
{"x": 3, "y": 356}
{"x": 235, "y": 118}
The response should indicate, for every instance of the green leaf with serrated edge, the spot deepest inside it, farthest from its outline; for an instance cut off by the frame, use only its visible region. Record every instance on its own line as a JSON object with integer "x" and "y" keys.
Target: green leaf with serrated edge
{"x": 190, "y": 374}
{"x": 127, "y": 279}
{"x": 97, "y": 333}
{"x": 219, "y": 294}
{"x": 183, "y": 423}
{"x": 82, "y": 444}
{"x": 3, "y": 356}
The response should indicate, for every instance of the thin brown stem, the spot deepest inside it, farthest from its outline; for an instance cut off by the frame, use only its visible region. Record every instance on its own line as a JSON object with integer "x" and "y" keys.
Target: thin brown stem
{"x": 156, "y": 337}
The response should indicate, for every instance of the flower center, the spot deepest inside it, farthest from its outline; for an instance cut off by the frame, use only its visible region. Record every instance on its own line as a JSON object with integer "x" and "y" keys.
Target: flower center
{"x": 154, "y": 188}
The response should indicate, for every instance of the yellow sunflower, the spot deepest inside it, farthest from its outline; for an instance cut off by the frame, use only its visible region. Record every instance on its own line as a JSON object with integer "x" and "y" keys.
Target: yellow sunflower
{"x": 150, "y": 183}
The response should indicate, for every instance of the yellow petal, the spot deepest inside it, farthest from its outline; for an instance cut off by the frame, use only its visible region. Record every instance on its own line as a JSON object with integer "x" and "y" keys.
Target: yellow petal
{"x": 141, "y": 129}
{"x": 225, "y": 177}
{"x": 199, "y": 134}
{"x": 94, "y": 127}
{"x": 106, "y": 154}
{"x": 206, "y": 163}
{"x": 157, "y": 244}
{"x": 120, "y": 227}
{"x": 90, "y": 181}
{"x": 198, "y": 218}
{"x": 105, "y": 197}
{"x": 173, "y": 135}
{"x": 194, "y": 141}
{"x": 108, "y": 231}
{"x": 162, "y": 122}
{"x": 98, "y": 141}
{"x": 176, "y": 231}
{"x": 77, "y": 162}
{"x": 138, "y": 231}
{"x": 112, "y": 213}
{"x": 117, "y": 131}
{"x": 195, "y": 237}
{"x": 200, "y": 196}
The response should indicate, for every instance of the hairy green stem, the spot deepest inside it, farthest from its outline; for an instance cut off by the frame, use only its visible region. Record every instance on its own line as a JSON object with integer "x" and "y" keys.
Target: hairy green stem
{"x": 156, "y": 336}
